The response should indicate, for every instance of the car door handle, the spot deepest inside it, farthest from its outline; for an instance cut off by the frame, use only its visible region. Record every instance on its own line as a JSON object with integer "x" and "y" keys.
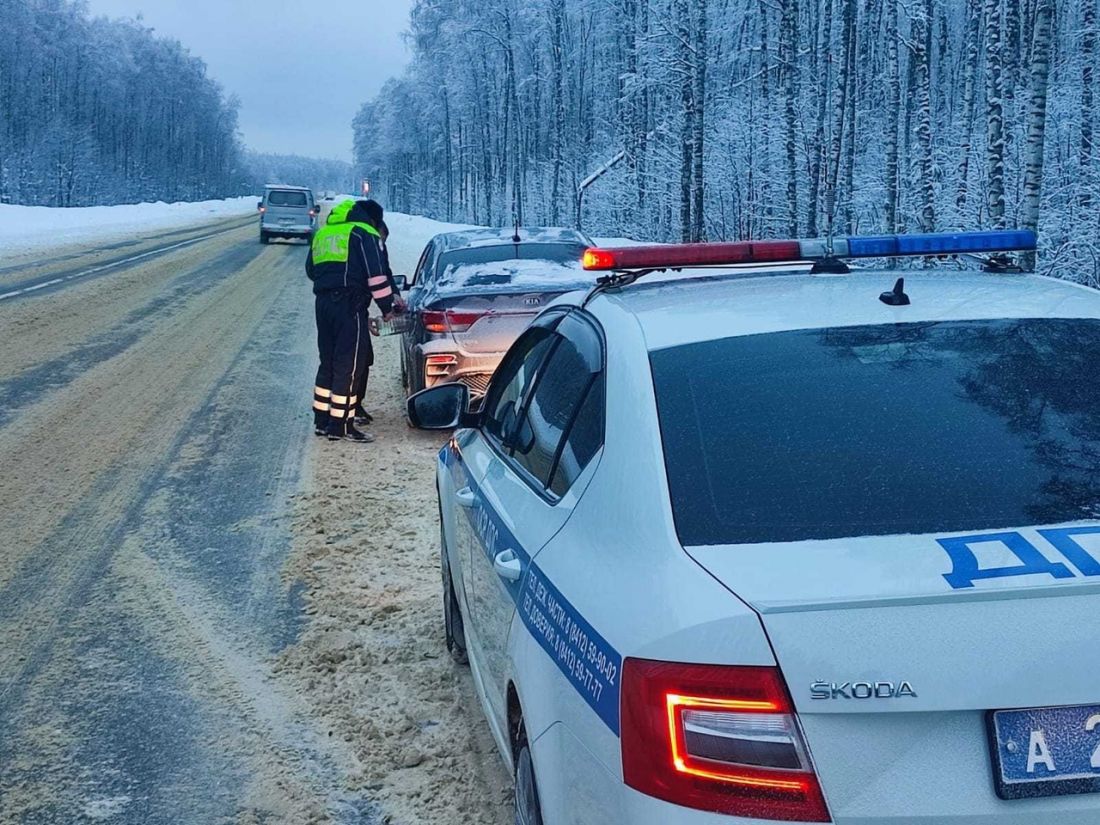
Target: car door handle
{"x": 465, "y": 497}
{"x": 508, "y": 566}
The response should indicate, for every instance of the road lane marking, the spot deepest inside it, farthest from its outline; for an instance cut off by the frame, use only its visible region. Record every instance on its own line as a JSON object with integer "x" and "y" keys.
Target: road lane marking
{"x": 103, "y": 267}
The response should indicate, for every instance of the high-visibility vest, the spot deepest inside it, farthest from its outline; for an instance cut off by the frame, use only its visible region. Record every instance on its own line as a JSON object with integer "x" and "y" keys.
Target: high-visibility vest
{"x": 331, "y": 241}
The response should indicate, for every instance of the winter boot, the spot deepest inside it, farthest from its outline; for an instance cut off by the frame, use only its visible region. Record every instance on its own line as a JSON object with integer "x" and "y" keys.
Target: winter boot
{"x": 363, "y": 418}
{"x": 358, "y": 436}
{"x": 345, "y": 431}
{"x": 320, "y": 423}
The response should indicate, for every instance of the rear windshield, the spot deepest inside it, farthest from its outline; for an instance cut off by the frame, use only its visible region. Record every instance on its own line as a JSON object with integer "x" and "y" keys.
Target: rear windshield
{"x": 282, "y": 197}
{"x": 554, "y": 252}
{"x": 882, "y": 430}
{"x": 530, "y": 265}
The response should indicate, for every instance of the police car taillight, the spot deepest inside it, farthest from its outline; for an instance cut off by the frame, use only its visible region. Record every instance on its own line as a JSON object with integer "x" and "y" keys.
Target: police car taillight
{"x": 717, "y": 738}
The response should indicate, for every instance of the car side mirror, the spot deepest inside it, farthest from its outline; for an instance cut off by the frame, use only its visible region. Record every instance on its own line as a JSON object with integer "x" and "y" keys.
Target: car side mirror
{"x": 443, "y": 407}
{"x": 401, "y": 282}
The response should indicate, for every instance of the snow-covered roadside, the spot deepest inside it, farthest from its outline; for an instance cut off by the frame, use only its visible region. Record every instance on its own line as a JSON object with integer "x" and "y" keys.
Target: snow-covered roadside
{"x": 409, "y": 234}
{"x": 371, "y": 661}
{"x": 29, "y": 228}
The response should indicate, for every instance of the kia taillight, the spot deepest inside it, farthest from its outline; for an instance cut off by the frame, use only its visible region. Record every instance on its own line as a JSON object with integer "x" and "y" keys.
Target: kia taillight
{"x": 439, "y": 366}
{"x": 717, "y": 738}
{"x": 450, "y": 320}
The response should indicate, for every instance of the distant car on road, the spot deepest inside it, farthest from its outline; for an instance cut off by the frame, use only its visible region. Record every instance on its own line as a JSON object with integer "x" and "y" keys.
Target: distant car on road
{"x": 287, "y": 212}
{"x": 475, "y": 291}
{"x": 787, "y": 544}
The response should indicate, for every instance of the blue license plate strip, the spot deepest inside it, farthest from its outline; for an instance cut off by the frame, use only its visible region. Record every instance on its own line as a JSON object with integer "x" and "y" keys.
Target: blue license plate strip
{"x": 1045, "y": 751}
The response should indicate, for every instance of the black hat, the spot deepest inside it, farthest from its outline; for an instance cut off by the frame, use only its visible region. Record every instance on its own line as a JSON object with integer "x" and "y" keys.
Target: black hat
{"x": 374, "y": 210}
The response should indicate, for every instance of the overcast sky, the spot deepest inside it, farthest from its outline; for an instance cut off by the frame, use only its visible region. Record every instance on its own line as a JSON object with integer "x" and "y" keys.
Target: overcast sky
{"x": 301, "y": 69}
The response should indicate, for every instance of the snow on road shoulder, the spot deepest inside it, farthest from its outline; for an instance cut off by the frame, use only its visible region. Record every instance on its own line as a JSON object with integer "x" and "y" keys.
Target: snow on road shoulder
{"x": 372, "y": 659}
{"x": 30, "y": 228}
{"x": 409, "y": 234}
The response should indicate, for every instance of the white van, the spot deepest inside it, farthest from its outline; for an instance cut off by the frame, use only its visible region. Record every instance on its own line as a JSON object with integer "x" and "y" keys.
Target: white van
{"x": 287, "y": 212}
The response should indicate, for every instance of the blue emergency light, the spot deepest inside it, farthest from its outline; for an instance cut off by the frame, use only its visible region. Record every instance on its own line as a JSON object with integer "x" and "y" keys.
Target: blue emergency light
{"x": 941, "y": 243}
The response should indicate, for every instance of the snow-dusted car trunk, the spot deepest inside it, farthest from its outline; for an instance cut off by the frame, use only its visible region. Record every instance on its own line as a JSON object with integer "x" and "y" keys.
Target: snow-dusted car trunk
{"x": 896, "y": 650}
{"x": 495, "y": 321}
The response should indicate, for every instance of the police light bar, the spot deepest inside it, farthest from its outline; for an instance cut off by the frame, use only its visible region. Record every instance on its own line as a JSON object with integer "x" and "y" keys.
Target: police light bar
{"x": 681, "y": 256}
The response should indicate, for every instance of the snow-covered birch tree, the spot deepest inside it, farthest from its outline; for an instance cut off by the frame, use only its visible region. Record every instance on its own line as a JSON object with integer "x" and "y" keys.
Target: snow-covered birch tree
{"x": 1037, "y": 118}
{"x": 743, "y": 118}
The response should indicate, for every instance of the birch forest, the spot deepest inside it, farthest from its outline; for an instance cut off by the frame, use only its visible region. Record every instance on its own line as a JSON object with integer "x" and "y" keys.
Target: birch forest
{"x": 688, "y": 120}
{"x": 94, "y": 111}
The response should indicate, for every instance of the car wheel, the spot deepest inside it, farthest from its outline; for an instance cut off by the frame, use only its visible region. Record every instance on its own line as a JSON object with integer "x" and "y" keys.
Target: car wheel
{"x": 528, "y": 809}
{"x": 452, "y": 615}
{"x": 416, "y": 377}
{"x": 264, "y": 237}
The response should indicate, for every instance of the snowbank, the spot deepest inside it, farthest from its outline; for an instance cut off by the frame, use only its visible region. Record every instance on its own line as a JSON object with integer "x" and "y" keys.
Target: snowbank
{"x": 409, "y": 234}
{"x": 28, "y": 228}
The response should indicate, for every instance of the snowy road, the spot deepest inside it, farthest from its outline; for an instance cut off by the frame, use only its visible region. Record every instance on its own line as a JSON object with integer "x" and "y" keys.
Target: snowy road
{"x": 59, "y": 270}
{"x": 196, "y": 624}
{"x": 142, "y": 539}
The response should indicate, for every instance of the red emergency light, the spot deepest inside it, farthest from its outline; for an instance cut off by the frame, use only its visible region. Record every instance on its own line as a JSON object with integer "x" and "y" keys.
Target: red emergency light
{"x": 680, "y": 256}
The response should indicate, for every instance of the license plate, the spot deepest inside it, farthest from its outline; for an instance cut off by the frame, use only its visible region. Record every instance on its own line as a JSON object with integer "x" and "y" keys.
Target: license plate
{"x": 1046, "y": 751}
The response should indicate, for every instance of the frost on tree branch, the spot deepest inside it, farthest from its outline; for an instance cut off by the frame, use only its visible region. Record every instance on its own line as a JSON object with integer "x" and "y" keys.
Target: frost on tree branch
{"x": 747, "y": 118}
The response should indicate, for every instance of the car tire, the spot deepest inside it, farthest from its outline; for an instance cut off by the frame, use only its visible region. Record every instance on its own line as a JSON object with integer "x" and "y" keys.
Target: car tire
{"x": 416, "y": 378}
{"x": 528, "y": 807}
{"x": 452, "y": 614}
{"x": 264, "y": 238}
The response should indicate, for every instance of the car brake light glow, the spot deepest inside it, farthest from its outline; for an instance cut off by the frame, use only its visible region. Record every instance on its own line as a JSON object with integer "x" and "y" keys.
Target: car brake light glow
{"x": 717, "y": 738}
{"x": 450, "y": 320}
{"x": 681, "y": 256}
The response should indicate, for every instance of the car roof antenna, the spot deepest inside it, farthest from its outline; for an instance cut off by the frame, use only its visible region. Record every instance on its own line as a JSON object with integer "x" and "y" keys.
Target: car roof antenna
{"x": 896, "y": 297}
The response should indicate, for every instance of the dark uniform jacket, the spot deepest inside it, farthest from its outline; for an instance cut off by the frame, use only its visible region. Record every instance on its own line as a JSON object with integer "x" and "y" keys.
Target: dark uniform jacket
{"x": 363, "y": 270}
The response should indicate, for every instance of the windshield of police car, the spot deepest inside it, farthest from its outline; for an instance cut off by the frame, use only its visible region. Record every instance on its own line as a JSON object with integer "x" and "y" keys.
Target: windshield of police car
{"x": 882, "y": 430}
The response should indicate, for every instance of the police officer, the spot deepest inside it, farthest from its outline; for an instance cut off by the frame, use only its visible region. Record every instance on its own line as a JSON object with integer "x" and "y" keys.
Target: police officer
{"x": 346, "y": 266}
{"x": 377, "y": 219}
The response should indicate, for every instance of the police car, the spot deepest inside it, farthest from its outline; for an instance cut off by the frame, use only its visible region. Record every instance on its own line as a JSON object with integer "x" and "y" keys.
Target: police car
{"x": 791, "y": 544}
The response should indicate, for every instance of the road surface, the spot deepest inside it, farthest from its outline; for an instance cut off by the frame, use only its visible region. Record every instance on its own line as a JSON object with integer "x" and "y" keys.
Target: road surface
{"x": 162, "y": 658}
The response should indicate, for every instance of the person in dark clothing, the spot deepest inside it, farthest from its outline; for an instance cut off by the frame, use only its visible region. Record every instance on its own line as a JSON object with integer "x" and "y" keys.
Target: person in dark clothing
{"x": 376, "y": 213}
{"x": 346, "y": 266}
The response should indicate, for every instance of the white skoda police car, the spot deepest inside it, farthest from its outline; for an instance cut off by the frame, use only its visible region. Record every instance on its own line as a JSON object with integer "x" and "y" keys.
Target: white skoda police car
{"x": 787, "y": 545}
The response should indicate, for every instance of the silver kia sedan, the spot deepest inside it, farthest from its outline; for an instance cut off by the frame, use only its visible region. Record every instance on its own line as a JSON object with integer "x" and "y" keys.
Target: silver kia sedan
{"x": 474, "y": 292}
